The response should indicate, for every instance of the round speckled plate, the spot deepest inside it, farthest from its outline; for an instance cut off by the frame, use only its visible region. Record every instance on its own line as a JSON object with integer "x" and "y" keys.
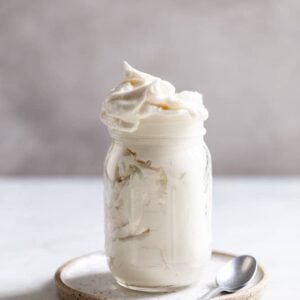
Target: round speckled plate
{"x": 88, "y": 278}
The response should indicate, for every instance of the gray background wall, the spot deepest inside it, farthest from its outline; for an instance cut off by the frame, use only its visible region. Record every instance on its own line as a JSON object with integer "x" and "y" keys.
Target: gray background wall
{"x": 59, "y": 59}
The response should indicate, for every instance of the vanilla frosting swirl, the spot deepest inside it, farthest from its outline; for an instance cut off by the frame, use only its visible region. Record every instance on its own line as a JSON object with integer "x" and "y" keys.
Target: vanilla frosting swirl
{"x": 142, "y": 96}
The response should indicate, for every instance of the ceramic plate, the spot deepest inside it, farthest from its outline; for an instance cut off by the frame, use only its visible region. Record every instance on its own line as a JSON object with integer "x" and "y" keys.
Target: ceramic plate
{"x": 88, "y": 278}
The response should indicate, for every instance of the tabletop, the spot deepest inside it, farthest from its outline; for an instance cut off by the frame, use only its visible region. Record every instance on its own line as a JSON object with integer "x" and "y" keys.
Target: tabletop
{"x": 46, "y": 221}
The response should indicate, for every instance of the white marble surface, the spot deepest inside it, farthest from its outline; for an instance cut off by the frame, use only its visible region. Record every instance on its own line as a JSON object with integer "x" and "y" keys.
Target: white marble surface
{"x": 44, "y": 222}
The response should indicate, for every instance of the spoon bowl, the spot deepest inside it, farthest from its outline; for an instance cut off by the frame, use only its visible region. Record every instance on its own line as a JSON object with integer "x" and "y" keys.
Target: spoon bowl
{"x": 236, "y": 273}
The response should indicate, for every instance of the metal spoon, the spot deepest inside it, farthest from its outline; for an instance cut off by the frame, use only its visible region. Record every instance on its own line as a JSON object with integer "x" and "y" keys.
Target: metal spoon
{"x": 233, "y": 276}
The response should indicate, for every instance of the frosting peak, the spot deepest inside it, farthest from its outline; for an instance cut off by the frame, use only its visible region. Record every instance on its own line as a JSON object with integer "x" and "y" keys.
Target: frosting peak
{"x": 141, "y": 95}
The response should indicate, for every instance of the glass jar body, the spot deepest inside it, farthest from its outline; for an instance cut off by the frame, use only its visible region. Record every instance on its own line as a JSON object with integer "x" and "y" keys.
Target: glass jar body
{"x": 158, "y": 212}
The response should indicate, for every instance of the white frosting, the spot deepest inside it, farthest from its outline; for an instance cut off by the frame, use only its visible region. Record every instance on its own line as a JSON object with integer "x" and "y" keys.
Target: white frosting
{"x": 143, "y": 96}
{"x": 157, "y": 190}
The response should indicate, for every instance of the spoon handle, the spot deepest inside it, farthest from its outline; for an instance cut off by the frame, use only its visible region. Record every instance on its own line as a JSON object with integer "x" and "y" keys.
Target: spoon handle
{"x": 209, "y": 295}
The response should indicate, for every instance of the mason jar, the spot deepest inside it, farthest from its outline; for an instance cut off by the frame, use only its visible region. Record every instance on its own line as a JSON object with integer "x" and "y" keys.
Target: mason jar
{"x": 157, "y": 187}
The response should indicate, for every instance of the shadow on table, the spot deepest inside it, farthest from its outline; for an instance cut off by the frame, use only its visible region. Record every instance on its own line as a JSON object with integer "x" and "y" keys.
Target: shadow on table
{"x": 45, "y": 292}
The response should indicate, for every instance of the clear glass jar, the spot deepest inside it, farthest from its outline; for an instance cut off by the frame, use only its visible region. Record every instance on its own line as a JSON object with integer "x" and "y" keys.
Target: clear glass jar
{"x": 158, "y": 208}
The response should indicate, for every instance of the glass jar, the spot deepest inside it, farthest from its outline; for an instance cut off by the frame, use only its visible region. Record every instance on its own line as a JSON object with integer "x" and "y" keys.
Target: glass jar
{"x": 158, "y": 207}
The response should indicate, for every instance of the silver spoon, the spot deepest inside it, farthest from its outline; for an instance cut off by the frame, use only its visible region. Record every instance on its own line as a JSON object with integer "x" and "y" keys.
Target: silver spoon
{"x": 233, "y": 276}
